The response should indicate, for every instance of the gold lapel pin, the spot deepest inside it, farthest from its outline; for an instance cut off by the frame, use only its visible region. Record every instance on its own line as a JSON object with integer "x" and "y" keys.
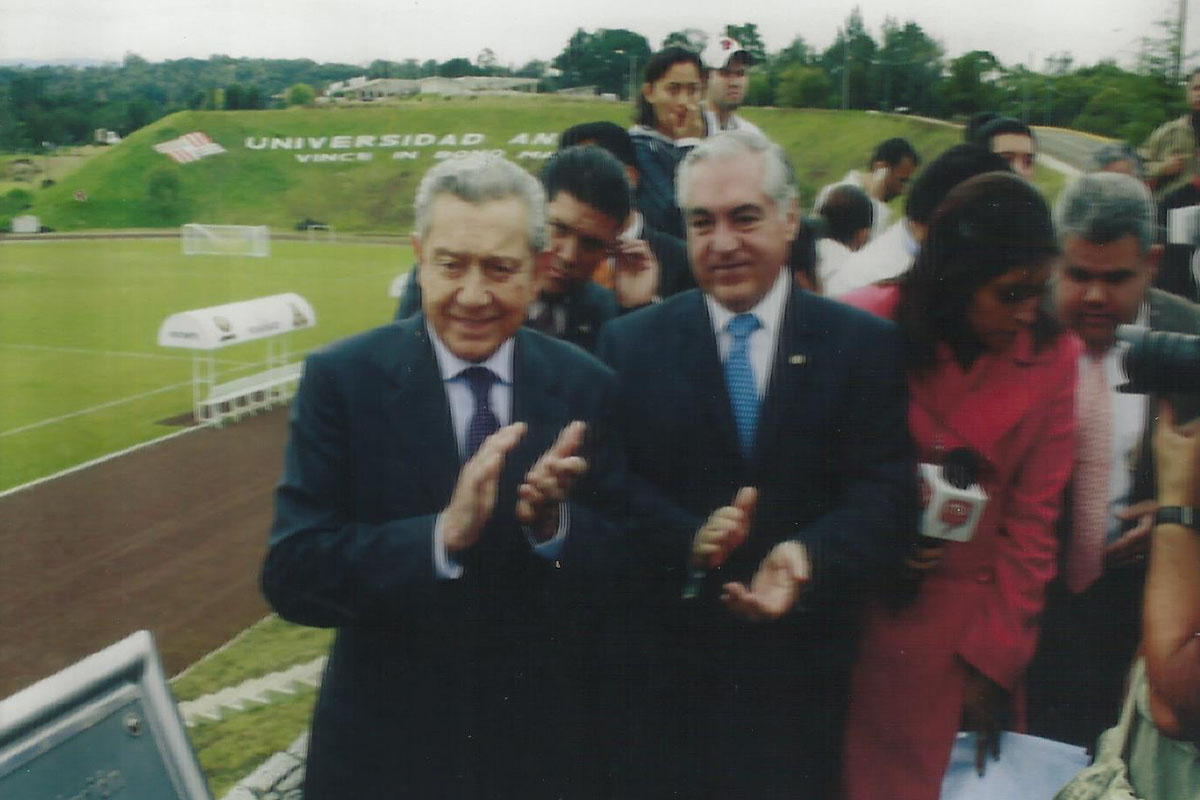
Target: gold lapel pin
{"x": 798, "y": 359}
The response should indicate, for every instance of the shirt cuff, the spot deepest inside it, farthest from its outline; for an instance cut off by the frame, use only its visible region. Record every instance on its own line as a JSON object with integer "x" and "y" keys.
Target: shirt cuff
{"x": 444, "y": 568}
{"x": 552, "y": 548}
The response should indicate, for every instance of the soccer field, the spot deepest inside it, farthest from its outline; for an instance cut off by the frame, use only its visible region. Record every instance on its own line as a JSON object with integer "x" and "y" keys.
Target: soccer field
{"x": 81, "y": 374}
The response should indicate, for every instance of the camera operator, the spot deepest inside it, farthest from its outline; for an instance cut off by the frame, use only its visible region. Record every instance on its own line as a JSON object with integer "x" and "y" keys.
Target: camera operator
{"x": 1152, "y": 750}
{"x": 1171, "y": 638}
{"x": 1090, "y": 628}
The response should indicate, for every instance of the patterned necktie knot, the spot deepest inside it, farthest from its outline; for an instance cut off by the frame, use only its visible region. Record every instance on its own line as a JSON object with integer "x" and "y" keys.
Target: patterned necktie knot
{"x": 741, "y": 326}
{"x": 480, "y": 380}
{"x": 483, "y": 422}
{"x": 739, "y": 380}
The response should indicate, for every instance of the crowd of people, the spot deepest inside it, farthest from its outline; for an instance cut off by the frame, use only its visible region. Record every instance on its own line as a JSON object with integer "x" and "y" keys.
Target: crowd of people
{"x": 643, "y": 493}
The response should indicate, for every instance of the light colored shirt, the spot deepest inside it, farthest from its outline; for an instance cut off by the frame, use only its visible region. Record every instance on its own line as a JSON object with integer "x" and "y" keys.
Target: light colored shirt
{"x": 462, "y": 408}
{"x": 831, "y": 257}
{"x": 880, "y": 259}
{"x": 882, "y": 212}
{"x": 763, "y": 342}
{"x": 712, "y": 124}
{"x": 1129, "y": 423}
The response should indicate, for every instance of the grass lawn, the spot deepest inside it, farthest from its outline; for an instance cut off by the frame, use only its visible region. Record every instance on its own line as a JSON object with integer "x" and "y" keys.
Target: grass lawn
{"x": 82, "y": 371}
{"x": 232, "y": 748}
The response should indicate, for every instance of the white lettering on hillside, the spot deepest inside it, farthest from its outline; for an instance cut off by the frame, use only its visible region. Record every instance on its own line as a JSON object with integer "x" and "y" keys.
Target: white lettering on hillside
{"x": 333, "y": 158}
{"x": 357, "y": 147}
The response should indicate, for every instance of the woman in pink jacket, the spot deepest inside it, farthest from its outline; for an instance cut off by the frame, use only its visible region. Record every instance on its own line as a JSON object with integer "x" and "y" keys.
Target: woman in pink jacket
{"x": 991, "y": 373}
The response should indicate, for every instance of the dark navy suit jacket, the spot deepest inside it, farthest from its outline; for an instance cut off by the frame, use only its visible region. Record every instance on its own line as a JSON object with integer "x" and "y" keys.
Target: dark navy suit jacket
{"x": 437, "y": 688}
{"x": 833, "y": 464}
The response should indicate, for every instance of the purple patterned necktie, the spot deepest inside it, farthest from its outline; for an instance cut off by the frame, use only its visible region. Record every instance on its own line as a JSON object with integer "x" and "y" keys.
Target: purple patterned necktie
{"x": 483, "y": 422}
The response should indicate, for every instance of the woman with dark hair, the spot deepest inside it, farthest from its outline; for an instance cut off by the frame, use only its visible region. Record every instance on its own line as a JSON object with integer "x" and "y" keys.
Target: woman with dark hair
{"x": 991, "y": 386}
{"x": 668, "y": 124}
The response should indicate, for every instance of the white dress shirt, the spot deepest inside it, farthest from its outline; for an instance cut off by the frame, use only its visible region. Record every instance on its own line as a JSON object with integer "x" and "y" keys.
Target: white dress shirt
{"x": 883, "y": 257}
{"x": 1129, "y": 422}
{"x": 462, "y": 408}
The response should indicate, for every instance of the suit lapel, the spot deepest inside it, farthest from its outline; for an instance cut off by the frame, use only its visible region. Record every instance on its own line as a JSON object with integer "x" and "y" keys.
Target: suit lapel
{"x": 537, "y": 401}
{"x": 696, "y": 352}
{"x": 979, "y": 414}
{"x": 418, "y": 410}
{"x": 790, "y": 374}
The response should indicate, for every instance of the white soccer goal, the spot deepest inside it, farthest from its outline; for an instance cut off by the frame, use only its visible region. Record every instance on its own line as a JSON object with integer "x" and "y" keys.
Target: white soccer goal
{"x": 225, "y": 240}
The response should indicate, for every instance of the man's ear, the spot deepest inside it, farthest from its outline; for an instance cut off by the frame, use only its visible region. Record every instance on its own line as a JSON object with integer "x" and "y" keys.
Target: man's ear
{"x": 860, "y": 239}
{"x": 541, "y": 265}
{"x": 1153, "y": 259}
{"x": 415, "y": 241}
{"x": 792, "y": 219}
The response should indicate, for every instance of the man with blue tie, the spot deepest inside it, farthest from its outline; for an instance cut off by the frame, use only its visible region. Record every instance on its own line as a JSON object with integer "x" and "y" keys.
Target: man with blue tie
{"x": 791, "y": 409}
{"x": 438, "y": 507}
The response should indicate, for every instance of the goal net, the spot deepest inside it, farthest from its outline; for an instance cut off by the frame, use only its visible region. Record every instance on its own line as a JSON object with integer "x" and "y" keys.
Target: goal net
{"x": 233, "y": 240}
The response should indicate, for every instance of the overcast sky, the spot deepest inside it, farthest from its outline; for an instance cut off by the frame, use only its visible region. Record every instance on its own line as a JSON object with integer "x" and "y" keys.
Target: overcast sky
{"x": 359, "y": 31}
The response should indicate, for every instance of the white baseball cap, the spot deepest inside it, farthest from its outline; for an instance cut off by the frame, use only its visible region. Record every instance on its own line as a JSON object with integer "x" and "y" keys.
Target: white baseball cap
{"x": 719, "y": 50}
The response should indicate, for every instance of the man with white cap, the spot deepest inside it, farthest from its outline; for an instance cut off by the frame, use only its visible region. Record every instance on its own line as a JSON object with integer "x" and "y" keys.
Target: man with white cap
{"x": 725, "y": 65}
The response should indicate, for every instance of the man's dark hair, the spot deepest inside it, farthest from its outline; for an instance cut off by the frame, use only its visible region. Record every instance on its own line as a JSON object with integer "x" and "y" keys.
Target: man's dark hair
{"x": 987, "y": 226}
{"x": 1001, "y": 125}
{"x": 591, "y": 176}
{"x": 977, "y": 121}
{"x": 656, "y": 67}
{"x": 608, "y": 135}
{"x": 948, "y": 170}
{"x": 893, "y": 151}
{"x": 847, "y": 210}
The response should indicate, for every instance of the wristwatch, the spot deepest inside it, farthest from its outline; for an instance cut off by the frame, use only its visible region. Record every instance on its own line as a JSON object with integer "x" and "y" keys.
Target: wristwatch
{"x": 1188, "y": 516}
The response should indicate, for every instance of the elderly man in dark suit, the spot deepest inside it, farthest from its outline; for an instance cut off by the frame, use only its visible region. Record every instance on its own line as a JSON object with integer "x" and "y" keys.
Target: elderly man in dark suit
{"x": 437, "y": 506}
{"x": 1092, "y": 620}
{"x": 766, "y": 429}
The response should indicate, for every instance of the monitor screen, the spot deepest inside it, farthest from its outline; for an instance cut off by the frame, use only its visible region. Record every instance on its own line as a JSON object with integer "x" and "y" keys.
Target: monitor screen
{"x": 107, "y": 726}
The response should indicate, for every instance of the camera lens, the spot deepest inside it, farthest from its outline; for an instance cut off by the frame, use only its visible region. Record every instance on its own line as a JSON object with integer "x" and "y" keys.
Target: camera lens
{"x": 1159, "y": 361}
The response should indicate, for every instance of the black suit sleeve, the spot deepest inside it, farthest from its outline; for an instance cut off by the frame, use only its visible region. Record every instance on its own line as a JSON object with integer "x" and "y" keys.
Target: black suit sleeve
{"x": 323, "y": 567}
{"x": 874, "y": 519}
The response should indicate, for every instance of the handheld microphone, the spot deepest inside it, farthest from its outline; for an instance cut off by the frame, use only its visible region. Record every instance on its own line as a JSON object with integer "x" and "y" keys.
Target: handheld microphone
{"x": 952, "y": 499}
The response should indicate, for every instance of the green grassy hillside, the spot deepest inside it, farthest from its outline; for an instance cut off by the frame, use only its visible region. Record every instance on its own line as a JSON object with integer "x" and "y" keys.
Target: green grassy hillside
{"x": 351, "y": 168}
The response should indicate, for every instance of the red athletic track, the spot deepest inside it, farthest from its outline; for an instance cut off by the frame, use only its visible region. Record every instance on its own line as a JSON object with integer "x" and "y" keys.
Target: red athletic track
{"x": 167, "y": 538}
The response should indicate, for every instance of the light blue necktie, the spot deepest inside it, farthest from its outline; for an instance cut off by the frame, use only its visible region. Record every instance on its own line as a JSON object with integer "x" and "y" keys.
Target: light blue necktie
{"x": 739, "y": 379}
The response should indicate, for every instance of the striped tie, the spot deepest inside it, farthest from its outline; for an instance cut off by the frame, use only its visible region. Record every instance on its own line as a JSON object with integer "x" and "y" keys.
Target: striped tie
{"x": 1093, "y": 414}
{"x": 739, "y": 379}
{"x": 483, "y": 422}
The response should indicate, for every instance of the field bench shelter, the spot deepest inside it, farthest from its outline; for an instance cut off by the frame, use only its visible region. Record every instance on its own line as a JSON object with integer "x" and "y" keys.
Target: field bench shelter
{"x": 205, "y": 331}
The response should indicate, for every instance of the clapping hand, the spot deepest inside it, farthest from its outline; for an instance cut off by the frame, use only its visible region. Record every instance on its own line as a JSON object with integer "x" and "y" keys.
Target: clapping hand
{"x": 549, "y": 480}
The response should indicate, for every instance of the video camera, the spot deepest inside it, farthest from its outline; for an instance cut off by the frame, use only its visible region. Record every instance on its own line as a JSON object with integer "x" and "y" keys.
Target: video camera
{"x": 1159, "y": 362}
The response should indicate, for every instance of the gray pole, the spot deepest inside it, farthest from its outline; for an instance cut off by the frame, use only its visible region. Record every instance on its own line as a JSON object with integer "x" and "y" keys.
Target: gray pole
{"x": 1179, "y": 42}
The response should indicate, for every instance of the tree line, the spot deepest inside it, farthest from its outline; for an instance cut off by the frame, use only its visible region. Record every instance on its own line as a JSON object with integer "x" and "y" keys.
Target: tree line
{"x": 904, "y": 69}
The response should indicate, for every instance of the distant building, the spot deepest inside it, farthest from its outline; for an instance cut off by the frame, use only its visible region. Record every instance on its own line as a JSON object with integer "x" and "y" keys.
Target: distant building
{"x": 26, "y": 224}
{"x": 578, "y": 91}
{"x": 365, "y": 89}
{"x": 476, "y": 84}
{"x": 105, "y": 136}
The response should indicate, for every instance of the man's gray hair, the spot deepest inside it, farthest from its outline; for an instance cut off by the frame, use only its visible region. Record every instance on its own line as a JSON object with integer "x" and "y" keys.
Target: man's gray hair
{"x": 1113, "y": 153}
{"x": 478, "y": 178}
{"x": 777, "y": 175}
{"x": 1101, "y": 207}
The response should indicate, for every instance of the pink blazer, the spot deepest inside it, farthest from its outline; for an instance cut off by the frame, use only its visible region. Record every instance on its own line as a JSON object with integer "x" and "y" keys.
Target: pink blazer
{"x": 981, "y": 604}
